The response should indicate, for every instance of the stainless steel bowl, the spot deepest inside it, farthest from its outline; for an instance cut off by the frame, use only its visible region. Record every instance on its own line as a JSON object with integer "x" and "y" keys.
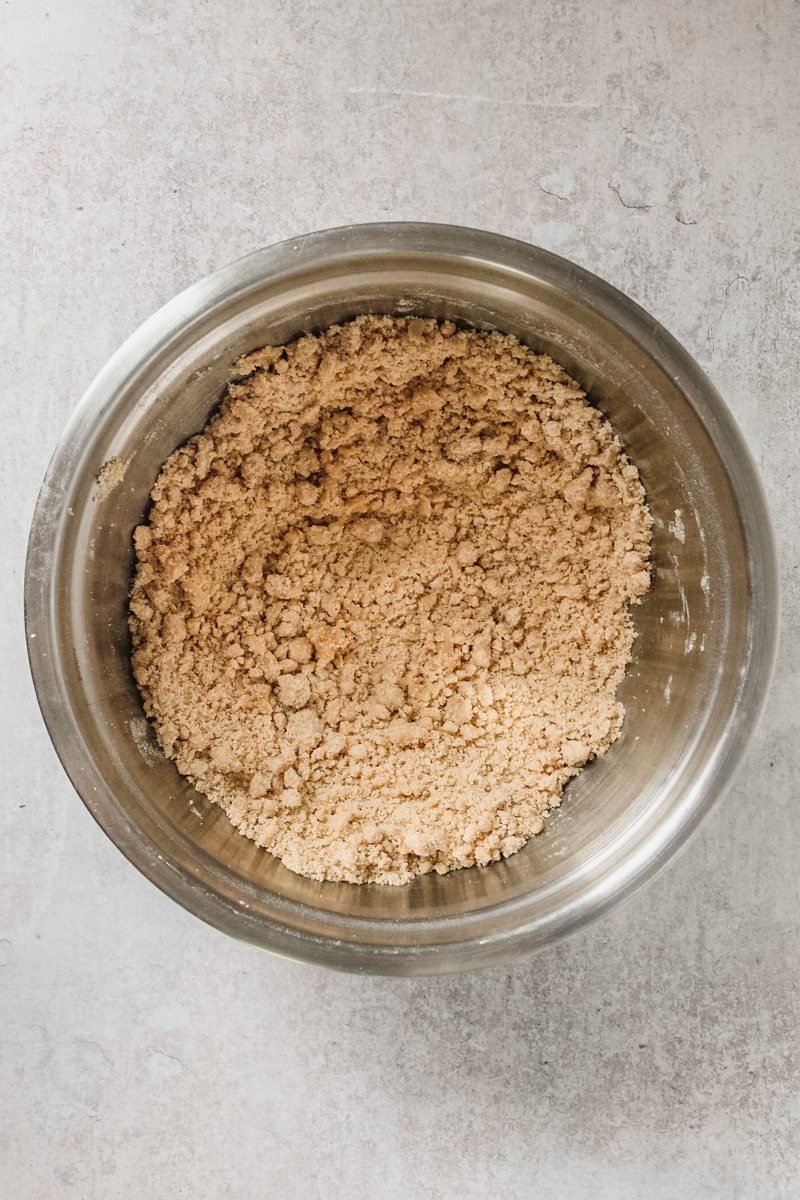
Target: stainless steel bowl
{"x": 706, "y": 632}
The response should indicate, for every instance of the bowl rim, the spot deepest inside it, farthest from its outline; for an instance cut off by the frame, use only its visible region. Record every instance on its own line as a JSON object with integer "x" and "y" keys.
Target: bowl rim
{"x": 643, "y": 858}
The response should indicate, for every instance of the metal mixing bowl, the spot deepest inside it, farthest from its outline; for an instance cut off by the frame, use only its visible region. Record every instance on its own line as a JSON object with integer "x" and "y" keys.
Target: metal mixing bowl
{"x": 706, "y": 631}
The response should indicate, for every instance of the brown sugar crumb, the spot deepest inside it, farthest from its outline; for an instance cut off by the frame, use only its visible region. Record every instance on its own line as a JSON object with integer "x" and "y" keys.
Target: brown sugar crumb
{"x": 109, "y": 476}
{"x": 381, "y": 606}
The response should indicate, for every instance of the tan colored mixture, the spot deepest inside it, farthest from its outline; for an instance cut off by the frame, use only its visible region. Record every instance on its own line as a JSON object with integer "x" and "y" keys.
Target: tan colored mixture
{"x": 380, "y": 610}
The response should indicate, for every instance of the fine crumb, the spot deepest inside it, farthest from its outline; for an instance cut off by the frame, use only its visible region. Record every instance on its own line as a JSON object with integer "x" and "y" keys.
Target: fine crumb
{"x": 110, "y": 474}
{"x": 381, "y": 605}
{"x": 676, "y": 527}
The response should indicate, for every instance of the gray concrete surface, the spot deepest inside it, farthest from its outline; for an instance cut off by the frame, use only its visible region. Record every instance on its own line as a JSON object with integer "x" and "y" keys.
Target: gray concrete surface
{"x": 142, "y": 1054}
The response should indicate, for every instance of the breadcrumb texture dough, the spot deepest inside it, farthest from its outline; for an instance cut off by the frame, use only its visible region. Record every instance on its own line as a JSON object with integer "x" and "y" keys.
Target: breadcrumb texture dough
{"x": 381, "y": 606}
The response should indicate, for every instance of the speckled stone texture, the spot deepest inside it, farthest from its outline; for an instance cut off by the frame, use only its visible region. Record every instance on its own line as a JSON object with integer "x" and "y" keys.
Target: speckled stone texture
{"x": 143, "y": 1054}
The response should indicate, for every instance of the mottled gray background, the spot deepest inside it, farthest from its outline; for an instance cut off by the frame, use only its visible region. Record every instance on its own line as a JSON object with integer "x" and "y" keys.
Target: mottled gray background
{"x": 144, "y": 1055}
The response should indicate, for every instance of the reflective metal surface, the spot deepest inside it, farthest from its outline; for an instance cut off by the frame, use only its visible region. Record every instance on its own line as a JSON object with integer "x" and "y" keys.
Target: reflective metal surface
{"x": 706, "y": 632}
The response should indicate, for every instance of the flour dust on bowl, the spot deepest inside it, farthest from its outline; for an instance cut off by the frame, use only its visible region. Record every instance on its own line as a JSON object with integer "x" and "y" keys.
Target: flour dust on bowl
{"x": 706, "y": 630}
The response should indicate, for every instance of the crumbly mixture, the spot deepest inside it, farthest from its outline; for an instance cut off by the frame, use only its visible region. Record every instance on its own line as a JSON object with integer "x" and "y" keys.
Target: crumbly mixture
{"x": 109, "y": 476}
{"x": 381, "y": 605}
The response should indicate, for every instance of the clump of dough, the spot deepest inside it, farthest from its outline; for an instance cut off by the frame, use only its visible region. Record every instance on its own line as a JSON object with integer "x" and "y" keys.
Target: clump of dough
{"x": 381, "y": 605}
